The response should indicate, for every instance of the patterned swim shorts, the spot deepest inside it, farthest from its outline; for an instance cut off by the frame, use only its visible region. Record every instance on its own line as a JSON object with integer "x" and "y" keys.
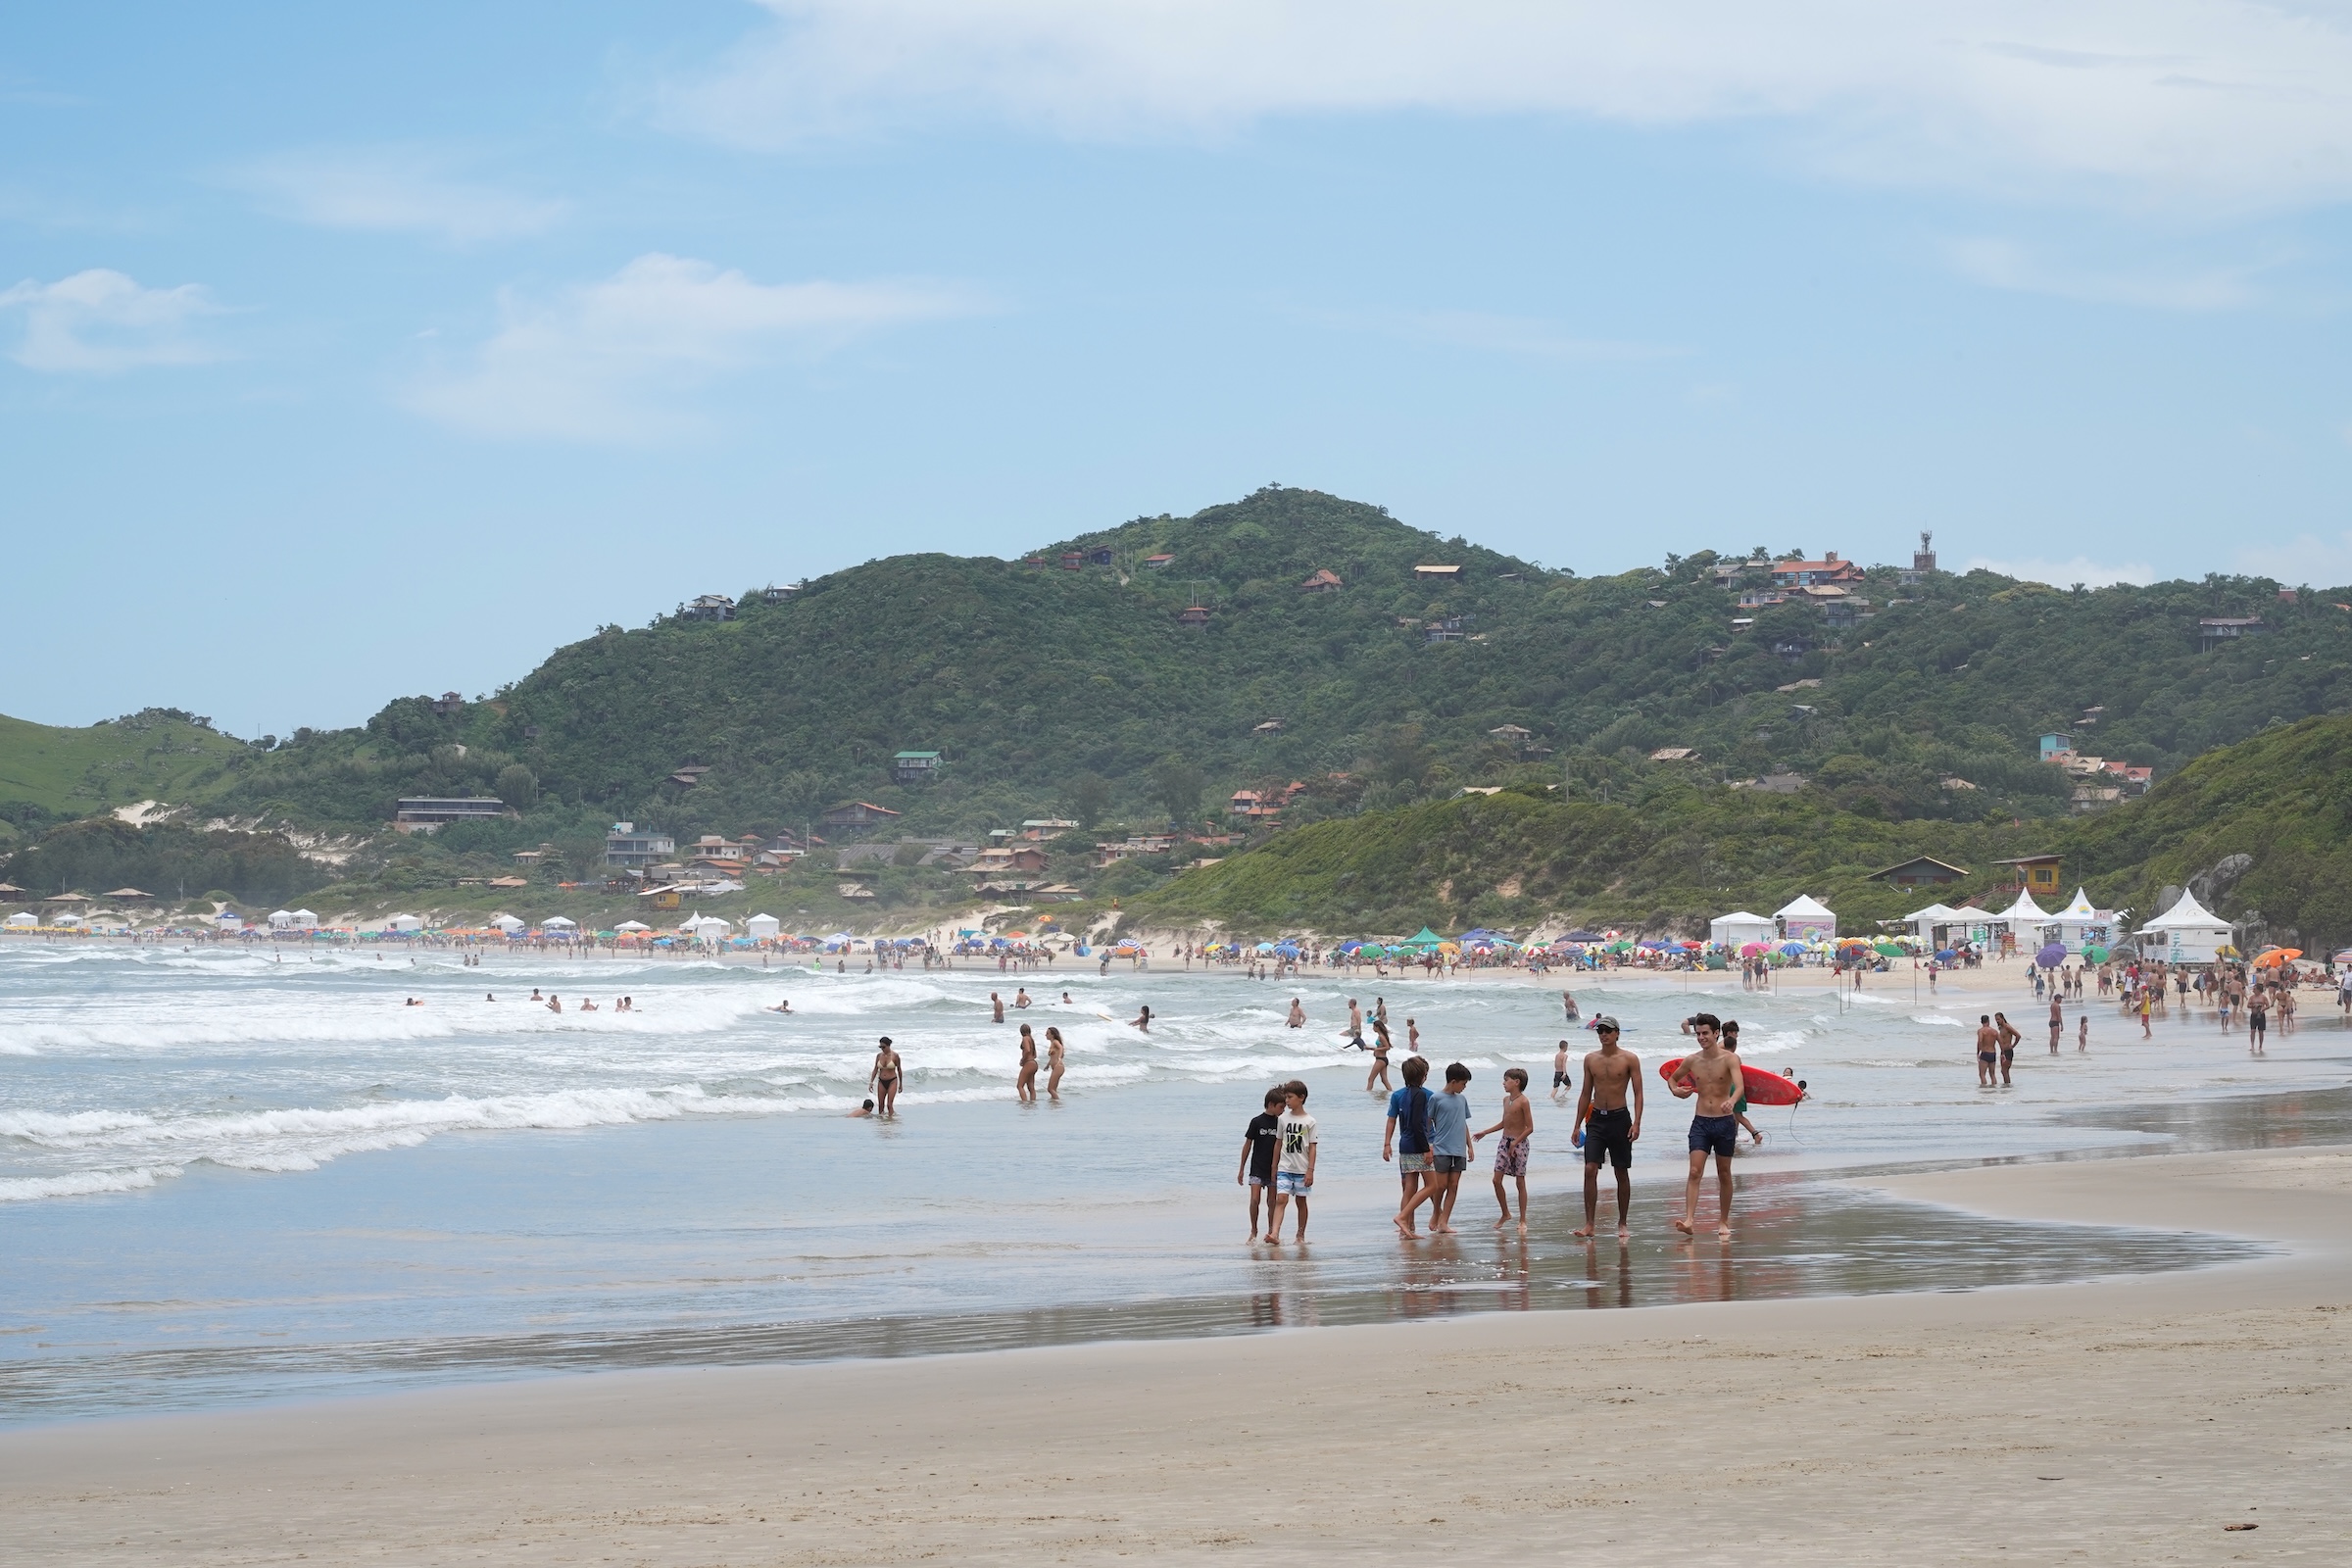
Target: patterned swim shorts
{"x": 1510, "y": 1157}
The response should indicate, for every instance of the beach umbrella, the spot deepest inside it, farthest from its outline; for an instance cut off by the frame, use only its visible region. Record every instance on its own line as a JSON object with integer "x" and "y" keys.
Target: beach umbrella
{"x": 2051, "y": 956}
{"x": 1750, "y": 949}
{"x": 1888, "y": 950}
{"x": 1792, "y": 950}
{"x": 2276, "y": 956}
{"x": 2095, "y": 953}
{"x": 1945, "y": 955}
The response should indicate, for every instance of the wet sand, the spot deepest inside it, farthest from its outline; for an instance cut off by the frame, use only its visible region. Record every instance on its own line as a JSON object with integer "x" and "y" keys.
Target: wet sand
{"x": 2118, "y": 1421}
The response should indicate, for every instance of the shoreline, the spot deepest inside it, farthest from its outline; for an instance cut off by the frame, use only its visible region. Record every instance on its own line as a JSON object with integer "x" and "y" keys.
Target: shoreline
{"x": 2124, "y": 1418}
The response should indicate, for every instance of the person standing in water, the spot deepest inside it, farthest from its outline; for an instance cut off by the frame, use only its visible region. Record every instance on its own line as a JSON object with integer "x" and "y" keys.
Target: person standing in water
{"x": 1297, "y": 1017}
{"x": 884, "y": 1079}
{"x": 1053, "y": 1064}
{"x": 2057, "y": 1020}
{"x": 1607, "y": 1124}
{"x": 1712, "y": 1077}
{"x": 1025, "y": 1085}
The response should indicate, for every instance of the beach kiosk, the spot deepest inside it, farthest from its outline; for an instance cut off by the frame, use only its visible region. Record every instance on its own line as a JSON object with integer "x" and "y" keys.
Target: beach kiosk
{"x": 762, "y": 927}
{"x": 22, "y": 920}
{"x": 559, "y": 926}
{"x": 1805, "y": 918}
{"x": 1737, "y": 929}
{"x": 2079, "y": 925}
{"x": 2186, "y": 933}
{"x": 507, "y": 923}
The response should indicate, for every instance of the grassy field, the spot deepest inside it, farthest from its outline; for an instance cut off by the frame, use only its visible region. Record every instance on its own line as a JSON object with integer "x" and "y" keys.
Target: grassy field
{"x": 72, "y": 772}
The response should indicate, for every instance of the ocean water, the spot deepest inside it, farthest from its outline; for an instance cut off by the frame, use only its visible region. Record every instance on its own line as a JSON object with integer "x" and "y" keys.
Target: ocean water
{"x": 225, "y": 1176}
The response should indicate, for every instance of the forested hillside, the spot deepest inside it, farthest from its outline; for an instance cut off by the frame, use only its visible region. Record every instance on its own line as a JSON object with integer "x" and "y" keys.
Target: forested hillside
{"x": 1048, "y": 688}
{"x": 2260, "y": 830}
{"x": 50, "y": 774}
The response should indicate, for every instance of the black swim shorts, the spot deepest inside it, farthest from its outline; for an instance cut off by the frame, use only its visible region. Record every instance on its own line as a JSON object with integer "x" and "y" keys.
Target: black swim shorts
{"x": 1715, "y": 1135}
{"x": 1609, "y": 1138}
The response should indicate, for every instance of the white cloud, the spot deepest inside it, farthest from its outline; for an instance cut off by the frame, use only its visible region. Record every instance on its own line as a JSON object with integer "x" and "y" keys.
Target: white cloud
{"x": 2322, "y": 563}
{"x": 2003, "y": 264}
{"x": 99, "y": 321}
{"x": 2066, "y": 573}
{"x": 391, "y": 190}
{"x": 2205, "y": 103}
{"x": 614, "y": 361}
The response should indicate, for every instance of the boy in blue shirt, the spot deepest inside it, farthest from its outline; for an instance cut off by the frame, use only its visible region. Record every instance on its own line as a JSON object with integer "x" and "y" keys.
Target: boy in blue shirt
{"x": 1408, "y": 1135}
{"x": 1448, "y": 1150}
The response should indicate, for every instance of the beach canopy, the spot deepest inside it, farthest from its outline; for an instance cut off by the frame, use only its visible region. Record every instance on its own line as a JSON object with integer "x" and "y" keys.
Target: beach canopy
{"x": 1934, "y": 914}
{"x": 556, "y": 922}
{"x": 1806, "y": 915}
{"x": 404, "y": 922}
{"x": 2189, "y": 933}
{"x": 1423, "y": 938}
{"x": 1739, "y": 926}
{"x": 632, "y": 926}
{"x": 507, "y": 923}
{"x": 760, "y": 927}
{"x": 2025, "y": 908}
{"x": 2079, "y": 912}
{"x": 22, "y": 920}
{"x": 1583, "y": 936}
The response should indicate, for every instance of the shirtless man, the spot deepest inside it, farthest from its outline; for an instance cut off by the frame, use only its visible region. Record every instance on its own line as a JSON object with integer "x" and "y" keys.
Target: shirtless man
{"x": 1020, "y": 996}
{"x": 1608, "y": 1125}
{"x": 2009, "y": 1039}
{"x": 1713, "y": 1077}
{"x": 1559, "y": 1072}
{"x": 1297, "y": 1017}
{"x": 1356, "y": 1024}
{"x": 2057, "y": 1021}
{"x": 1988, "y": 1051}
{"x": 884, "y": 1079}
{"x": 1024, "y": 1087}
{"x": 996, "y": 1008}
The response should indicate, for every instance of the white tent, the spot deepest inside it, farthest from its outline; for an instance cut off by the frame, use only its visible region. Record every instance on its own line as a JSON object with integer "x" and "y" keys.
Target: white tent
{"x": 229, "y": 920}
{"x": 507, "y": 923}
{"x": 1738, "y": 928}
{"x": 404, "y": 922}
{"x": 281, "y": 919}
{"x": 1924, "y": 922}
{"x": 2186, "y": 933}
{"x": 1804, "y": 917}
{"x": 705, "y": 928}
{"x": 2080, "y": 924}
{"x": 306, "y": 920}
{"x": 632, "y": 926}
{"x": 556, "y": 922}
{"x": 2024, "y": 918}
{"x": 762, "y": 927}
{"x": 21, "y": 920}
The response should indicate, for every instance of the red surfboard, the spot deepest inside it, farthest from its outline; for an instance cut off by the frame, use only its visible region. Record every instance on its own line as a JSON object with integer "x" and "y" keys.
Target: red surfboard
{"x": 1763, "y": 1088}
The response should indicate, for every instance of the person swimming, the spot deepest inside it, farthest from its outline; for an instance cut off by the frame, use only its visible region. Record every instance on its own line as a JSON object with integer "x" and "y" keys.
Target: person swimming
{"x": 782, "y": 1006}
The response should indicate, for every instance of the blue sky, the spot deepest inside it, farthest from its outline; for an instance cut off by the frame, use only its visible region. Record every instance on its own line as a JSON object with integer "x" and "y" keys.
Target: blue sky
{"x": 345, "y": 355}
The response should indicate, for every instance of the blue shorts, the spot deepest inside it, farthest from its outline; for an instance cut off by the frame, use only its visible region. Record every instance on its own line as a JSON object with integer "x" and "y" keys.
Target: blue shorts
{"x": 1290, "y": 1183}
{"x": 1715, "y": 1135}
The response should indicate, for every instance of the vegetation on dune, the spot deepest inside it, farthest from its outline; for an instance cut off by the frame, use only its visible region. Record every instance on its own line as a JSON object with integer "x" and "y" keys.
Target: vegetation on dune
{"x": 49, "y": 774}
{"x": 172, "y": 862}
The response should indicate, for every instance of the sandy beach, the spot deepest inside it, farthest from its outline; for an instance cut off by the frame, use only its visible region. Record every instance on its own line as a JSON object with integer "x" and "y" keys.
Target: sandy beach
{"x": 2125, "y": 1421}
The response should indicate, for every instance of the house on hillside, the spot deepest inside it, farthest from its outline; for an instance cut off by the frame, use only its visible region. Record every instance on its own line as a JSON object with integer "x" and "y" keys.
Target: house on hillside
{"x": 1444, "y": 629}
{"x": 1828, "y": 569}
{"x": 858, "y": 814}
{"x": 914, "y": 767}
{"x": 1007, "y": 860}
{"x": 1253, "y": 806}
{"x": 708, "y": 606}
{"x": 1322, "y": 582}
{"x": 1675, "y": 754}
{"x": 1073, "y": 559}
{"x": 2057, "y": 747}
{"x": 1101, "y": 555}
{"x": 2035, "y": 873}
{"x": 1437, "y": 573}
{"x": 1159, "y": 563}
{"x": 1192, "y": 615}
{"x": 425, "y": 813}
{"x": 776, "y": 594}
{"x": 1919, "y": 871}
{"x": 2213, "y": 632}
{"x": 448, "y": 705}
{"x": 1271, "y": 727}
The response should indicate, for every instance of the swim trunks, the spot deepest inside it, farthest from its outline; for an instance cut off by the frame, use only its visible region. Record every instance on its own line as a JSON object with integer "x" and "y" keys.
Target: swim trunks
{"x": 1985, "y": 1056}
{"x": 1510, "y": 1157}
{"x": 1449, "y": 1164}
{"x": 1715, "y": 1135}
{"x": 1291, "y": 1183}
{"x": 1609, "y": 1137}
{"x": 1412, "y": 1164}
{"x": 1559, "y": 1080}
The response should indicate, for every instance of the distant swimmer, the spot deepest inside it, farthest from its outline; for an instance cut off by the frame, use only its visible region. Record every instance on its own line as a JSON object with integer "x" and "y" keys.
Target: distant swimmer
{"x": 1559, "y": 1070}
{"x": 1066, "y": 1000}
{"x": 1355, "y": 1025}
{"x": 1020, "y": 996}
{"x": 782, "y": 1006}
{"x": 487, "y": 997}
{"x": 627, "y": 1004}
{"x": 588, "y": 1005}
{"x": 996, "y": 1008}
{"x": 1568, "y": 1006}
{"x": 555, "y": 1003}
{"x": 1298, "y": 1018}
{"x": 865, "y": 1108}
{"x": 1142, "y": 1020}
{"x": 535, "y": 995}
{"x": 414, "y": 1003}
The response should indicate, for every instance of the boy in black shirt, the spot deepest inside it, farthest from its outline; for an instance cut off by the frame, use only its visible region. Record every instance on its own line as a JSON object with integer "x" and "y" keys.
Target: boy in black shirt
{"x": 1258, "y": 1148}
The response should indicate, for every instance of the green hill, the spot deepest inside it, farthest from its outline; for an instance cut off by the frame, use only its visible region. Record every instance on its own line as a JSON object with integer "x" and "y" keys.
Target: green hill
{"x": 2259, "y": 829}
{"x": 1034, "y": 681}
{"x": 48, "y": 774}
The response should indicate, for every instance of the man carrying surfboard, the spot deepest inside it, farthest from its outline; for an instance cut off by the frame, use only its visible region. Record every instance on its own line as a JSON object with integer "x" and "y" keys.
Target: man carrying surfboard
{"x": 1713, "y": 1077}
{"x": 1608, "y": 1125}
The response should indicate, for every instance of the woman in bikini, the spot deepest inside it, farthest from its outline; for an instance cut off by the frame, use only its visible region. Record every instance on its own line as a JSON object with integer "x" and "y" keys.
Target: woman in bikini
{"x": 1380, "y": 1057}
{"x": 884, "y": 1079}
{"x": 1024, "y": 1087}
{"x": 1053, "y": 1065}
